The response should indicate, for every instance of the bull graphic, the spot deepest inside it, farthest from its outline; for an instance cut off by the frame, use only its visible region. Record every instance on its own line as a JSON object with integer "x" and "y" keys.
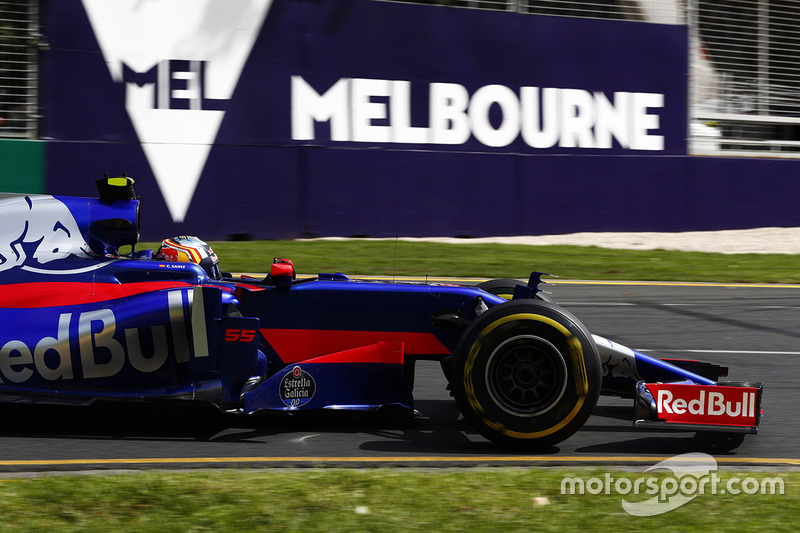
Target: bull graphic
{"x": 38, "y": 226}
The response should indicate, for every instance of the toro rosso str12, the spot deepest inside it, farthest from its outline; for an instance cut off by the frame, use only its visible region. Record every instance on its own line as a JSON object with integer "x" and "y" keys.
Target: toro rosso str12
{"x": 79, "y": 321}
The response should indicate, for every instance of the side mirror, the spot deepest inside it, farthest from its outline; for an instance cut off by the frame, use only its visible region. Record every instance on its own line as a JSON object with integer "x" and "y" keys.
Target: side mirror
{"x": 281, "y": 274}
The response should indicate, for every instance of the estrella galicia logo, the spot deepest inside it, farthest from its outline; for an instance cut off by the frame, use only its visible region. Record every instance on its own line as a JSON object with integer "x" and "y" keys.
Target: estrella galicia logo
{"x": 297, "y": 387}
{"x": 180, "y": 61}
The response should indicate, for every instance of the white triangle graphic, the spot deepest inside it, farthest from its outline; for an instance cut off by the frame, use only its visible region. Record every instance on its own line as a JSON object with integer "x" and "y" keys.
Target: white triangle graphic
{"x": 144, "y": 35}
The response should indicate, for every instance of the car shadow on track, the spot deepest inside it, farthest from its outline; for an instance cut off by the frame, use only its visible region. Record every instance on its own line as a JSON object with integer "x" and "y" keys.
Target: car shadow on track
{"x": 610, "y": 431}
{"x": 440, "y": 429}
{"x": 128, "y": 420}
{"x": 437, "y": 429}
{"x": 662, "y": 444}
{"x": 111, "y": 421}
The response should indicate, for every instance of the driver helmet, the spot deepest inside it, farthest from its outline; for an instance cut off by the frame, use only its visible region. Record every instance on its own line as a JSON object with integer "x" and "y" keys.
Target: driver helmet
{"x": 189, "y": 249}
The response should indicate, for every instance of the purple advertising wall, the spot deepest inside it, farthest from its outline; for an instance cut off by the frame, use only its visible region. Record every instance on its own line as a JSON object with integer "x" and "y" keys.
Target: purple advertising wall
{"x": 293, "y": 118}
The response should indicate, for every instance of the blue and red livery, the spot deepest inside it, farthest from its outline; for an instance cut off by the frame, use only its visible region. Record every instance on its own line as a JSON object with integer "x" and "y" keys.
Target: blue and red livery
{"x": 79, "y": 321}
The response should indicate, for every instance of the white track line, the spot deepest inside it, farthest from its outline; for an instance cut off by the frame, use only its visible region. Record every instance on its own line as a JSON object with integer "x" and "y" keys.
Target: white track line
{"x": 743, "y": 352}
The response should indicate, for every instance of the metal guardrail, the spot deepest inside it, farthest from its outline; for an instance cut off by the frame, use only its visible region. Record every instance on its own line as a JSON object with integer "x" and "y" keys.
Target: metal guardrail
{"x": 19, "y": 68}
{"x": 659, "y": 11}
{"x": 745, "y": 77}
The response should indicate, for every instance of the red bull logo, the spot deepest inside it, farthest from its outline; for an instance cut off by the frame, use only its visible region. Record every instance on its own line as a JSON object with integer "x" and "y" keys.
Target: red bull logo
{"x": 103, "y": 350}
{"x": 720, "y": 405}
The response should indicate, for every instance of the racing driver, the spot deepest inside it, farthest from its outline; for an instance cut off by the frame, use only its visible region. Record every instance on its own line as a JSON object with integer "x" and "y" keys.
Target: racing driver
{"x": 189, "y": 249}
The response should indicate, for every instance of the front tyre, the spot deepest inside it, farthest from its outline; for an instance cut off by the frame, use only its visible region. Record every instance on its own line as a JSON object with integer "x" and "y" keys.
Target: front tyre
{"x": 526, "y": 374}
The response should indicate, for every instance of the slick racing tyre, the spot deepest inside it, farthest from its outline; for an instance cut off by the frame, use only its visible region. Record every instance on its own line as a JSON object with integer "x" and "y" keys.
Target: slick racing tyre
{"x": 526, "y": 374}
{"x": 504, "y": 288}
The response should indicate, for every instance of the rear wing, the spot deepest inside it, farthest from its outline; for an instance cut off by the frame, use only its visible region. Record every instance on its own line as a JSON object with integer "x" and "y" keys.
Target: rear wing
{"x": 111, "y": 221}
{"x": 39, "y": 228}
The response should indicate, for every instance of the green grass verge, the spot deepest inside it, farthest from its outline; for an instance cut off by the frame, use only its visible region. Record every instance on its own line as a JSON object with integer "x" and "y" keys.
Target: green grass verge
{"x": 474, "y": 499}
{"x": 505, "y": 260}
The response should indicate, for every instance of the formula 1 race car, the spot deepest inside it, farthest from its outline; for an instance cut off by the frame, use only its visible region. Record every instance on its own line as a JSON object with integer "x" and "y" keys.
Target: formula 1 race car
{"x": 81, "y": 321}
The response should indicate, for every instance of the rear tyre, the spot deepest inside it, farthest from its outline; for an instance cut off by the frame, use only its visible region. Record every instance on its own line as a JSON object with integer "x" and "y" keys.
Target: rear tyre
{"x": 526, "y": 374}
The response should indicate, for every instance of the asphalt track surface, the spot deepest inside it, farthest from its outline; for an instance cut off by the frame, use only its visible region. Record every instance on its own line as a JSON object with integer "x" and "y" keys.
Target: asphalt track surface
{"x": 752, "y": 329}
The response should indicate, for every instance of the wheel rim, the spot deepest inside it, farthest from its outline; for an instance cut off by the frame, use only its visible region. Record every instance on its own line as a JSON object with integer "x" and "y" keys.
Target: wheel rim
{"x": 526, "y": 375}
